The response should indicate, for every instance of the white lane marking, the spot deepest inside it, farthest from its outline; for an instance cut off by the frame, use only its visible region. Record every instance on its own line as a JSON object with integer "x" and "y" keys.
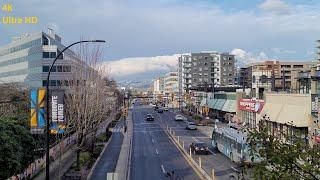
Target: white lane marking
{"x": 212, "y": 152}
{"x": 157, "y": 152}
{"x": 163, "y": 170}
{"x": 195, "y": 139}
{"x": 153, "y": 141}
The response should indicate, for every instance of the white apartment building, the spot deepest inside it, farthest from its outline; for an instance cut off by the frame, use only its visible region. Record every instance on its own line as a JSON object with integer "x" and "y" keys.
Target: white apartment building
{"x": 27, "y": 58}
{"x": 158, "y": 86}
{"x": 171, "y": 83}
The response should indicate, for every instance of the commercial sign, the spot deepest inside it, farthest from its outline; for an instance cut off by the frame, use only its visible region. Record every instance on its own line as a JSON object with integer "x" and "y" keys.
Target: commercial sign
{"x": 57, "y": 112}
{"x": 314, "y": 105}
{"x": 317, "y": 136}
{"x": 37, "y": 111}
{"x": 251, "y": 105}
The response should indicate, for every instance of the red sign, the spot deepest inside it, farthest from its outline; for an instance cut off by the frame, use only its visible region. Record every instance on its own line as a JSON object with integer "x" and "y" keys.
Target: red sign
{"x": 317, "y": 139}
{"x": 251, "y": 105}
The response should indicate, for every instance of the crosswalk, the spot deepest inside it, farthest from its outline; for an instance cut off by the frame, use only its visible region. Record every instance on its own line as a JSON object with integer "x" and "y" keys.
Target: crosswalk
{"x": 117, "y": 129}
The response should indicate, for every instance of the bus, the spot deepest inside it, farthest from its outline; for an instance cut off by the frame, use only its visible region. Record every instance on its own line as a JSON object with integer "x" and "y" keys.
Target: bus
{"x": 231, "y": 142}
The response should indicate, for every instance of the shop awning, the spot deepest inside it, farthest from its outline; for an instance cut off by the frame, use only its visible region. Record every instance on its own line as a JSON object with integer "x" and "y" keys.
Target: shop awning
{"x": 229, "y": 106}
{"x": 203, "y": 102}
{"x": 212, "y": 102}
{"x": 271, "y": 110}
{"x": 294, "y": 113}
{"x": 219, "y": 104}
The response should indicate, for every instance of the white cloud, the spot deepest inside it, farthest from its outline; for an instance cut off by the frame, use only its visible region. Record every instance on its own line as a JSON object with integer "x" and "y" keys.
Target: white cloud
{"x": 275, "y": 7}
{"x": 131, "y": 66}
{"x": 310, "y": 52}
{"x": 244, "y": 57}
{"x": 283, "y": 51}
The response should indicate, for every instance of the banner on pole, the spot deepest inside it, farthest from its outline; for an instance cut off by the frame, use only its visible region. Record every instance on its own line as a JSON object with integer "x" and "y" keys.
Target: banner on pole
{"x": 57, "y": 112}
{"x": 37, "y": 110}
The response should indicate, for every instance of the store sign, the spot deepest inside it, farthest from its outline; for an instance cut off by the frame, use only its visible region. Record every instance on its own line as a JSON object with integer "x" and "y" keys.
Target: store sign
{"x": 251, "y": 105}
{"x": 317, "y": 136}
{"x": 314, "y": 104}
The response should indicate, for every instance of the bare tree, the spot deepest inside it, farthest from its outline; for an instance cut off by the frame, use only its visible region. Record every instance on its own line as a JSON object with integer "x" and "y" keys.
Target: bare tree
{"x": 85, "y": 98}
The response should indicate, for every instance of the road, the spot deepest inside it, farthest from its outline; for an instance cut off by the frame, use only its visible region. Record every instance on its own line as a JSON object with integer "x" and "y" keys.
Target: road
{"x": 109, "y": 158}
{"x": 221, "y": 164}
{"x": 153, "y": 153}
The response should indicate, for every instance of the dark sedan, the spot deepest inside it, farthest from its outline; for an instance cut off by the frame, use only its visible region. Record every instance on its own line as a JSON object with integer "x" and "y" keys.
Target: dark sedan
{"x": 149, "y": 117}
{"x": 199, "y": 148}
{"x": 160, "y": 110}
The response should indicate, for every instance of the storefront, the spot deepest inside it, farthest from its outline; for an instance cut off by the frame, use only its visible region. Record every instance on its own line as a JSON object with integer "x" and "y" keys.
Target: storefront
{"x": 221, "y": 105}
{"x": 248, "y": 109}
{"x": 287, "y": 114}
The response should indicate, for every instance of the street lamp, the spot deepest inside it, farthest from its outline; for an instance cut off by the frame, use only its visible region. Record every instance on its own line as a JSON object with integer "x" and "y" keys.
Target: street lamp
{"x": 47, "y": 101}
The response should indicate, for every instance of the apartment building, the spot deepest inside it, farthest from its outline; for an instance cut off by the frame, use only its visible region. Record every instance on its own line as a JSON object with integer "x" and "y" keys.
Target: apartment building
{"x": 212, "y": 68}
{"x": 184, "y": 72}
{"x": 158, "y": 86}
{"x": 276, "y": 76}
{"x": 26, "y": 60}
{"x": 171, "y": 83}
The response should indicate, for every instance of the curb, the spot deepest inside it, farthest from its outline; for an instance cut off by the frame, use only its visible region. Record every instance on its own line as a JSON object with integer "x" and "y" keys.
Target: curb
{"x": 124, "y": 161}
{"x": 200, "y": 172}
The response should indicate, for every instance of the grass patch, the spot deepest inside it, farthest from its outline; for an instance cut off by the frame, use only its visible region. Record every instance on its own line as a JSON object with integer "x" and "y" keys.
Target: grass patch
{"x": 196, "y": 117}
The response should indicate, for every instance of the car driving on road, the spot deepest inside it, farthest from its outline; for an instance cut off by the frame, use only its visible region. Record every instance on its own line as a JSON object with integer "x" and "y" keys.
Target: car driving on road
{"x": 179, "y": 118}
{"x": 149, "y": 117}
{"x": 166, "y": 108}
{"x": 160, "y": 110}
{"x": 191, "y": 125}
{"x": 199, "y": 148}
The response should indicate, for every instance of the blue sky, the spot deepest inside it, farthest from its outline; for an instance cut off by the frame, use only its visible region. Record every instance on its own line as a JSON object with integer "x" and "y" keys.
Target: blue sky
{"x": 138, "y": 30}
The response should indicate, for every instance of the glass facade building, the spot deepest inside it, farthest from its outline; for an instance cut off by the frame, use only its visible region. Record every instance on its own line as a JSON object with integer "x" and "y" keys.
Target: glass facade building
{"x": 26, "y": 60}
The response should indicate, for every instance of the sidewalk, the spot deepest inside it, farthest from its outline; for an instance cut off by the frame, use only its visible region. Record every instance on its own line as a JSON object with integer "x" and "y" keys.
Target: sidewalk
{"x": 68, "y": 157}
{"x": 107, "y": 161}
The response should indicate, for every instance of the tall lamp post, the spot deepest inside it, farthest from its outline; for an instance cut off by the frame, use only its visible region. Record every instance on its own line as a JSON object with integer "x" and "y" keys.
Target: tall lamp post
{"x": 47, "y": 101}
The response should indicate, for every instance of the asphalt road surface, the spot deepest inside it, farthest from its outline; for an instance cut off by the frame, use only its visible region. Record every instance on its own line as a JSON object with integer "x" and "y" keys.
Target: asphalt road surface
{"x": 109, "y": 158}
{"x": 153, "y": 153}
{"x": 220, "y": 163}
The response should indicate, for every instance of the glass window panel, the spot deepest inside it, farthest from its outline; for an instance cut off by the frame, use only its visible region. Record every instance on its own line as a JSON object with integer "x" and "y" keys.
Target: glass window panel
{"x": 59, "y": 68}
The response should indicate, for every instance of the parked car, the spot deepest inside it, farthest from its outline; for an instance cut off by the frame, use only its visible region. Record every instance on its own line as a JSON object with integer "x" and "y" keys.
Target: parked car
{"x": 191, "y": 125}
{"x": 149, "y": 117}
{"x": 166, "y": 108}
{"x": 199, "y": 148}
{"x": 160, "y": 110}
{"x": 179, "y": 118}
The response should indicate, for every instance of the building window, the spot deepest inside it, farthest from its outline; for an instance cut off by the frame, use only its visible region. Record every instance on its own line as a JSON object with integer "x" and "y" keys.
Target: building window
{"x": 45, "y": 40}
{"x": 45, "y": 55}
{"x": 61, "y": 55}
{"x": 53, "y": 54}
{"x": 45, "y": 68}
{"x": 54, "y": 69}
{"x": 53, "y": 83}
{"x": 59, "y": 68}
{"x": 44, "y": 82}
{"x": 66, "y": 68}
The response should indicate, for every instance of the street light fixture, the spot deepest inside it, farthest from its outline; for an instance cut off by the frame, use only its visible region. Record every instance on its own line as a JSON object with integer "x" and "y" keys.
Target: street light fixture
{"x": 47, "y": 101}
